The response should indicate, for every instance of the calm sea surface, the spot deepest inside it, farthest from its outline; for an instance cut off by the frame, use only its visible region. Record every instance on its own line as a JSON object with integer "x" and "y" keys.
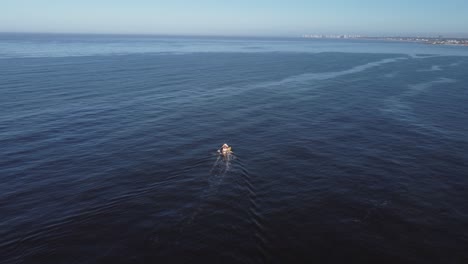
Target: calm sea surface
{"x": 345, "y": 151}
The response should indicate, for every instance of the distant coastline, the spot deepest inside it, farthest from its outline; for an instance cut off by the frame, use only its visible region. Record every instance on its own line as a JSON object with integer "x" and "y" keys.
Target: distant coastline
{"x": 426, "y": 40}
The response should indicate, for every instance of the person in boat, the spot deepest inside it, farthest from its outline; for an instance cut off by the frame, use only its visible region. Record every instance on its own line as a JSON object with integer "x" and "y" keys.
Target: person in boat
{"x": 225, "y": 149}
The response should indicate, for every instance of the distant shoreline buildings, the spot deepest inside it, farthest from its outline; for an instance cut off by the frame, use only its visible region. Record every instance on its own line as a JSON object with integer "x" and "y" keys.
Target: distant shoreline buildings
{"x": 440, "y": 40}
{"x": 316, "y": 36}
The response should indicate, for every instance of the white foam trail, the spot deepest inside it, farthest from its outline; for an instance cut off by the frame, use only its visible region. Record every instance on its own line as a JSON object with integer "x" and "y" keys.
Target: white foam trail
{"x": 396, "y": 106}
{"x": 307, "y": 77}
{"x": 421, "y": 87}
{"x": 299, "y": 79}
{"x": 433, "y": 68}
{"x": 416, "y": 56}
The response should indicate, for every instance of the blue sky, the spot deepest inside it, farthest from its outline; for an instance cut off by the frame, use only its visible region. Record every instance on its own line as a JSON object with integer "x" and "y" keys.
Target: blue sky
{"x": 237, "y": 17}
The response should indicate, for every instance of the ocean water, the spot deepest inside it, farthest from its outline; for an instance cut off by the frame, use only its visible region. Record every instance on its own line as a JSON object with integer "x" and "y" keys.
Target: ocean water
{"x": 345, "y": 151}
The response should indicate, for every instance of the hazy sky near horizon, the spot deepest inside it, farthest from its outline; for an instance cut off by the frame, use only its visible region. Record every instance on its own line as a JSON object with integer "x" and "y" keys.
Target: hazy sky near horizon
{"x": 241, "y": 17}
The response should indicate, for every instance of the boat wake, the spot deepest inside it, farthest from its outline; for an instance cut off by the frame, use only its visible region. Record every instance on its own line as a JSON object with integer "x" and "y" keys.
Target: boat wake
{"x": 220, "y": 169}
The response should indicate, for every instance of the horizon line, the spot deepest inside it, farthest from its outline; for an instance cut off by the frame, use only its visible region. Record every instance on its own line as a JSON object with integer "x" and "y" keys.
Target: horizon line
{"x": 425, "y": 35}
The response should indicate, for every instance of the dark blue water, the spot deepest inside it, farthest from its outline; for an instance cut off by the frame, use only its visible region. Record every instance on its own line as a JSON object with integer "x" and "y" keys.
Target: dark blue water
{"x": 344, "y": 151}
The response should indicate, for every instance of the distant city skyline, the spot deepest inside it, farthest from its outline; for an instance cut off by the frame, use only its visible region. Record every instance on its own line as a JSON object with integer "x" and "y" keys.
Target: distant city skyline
{"x": 238, "y": 18}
